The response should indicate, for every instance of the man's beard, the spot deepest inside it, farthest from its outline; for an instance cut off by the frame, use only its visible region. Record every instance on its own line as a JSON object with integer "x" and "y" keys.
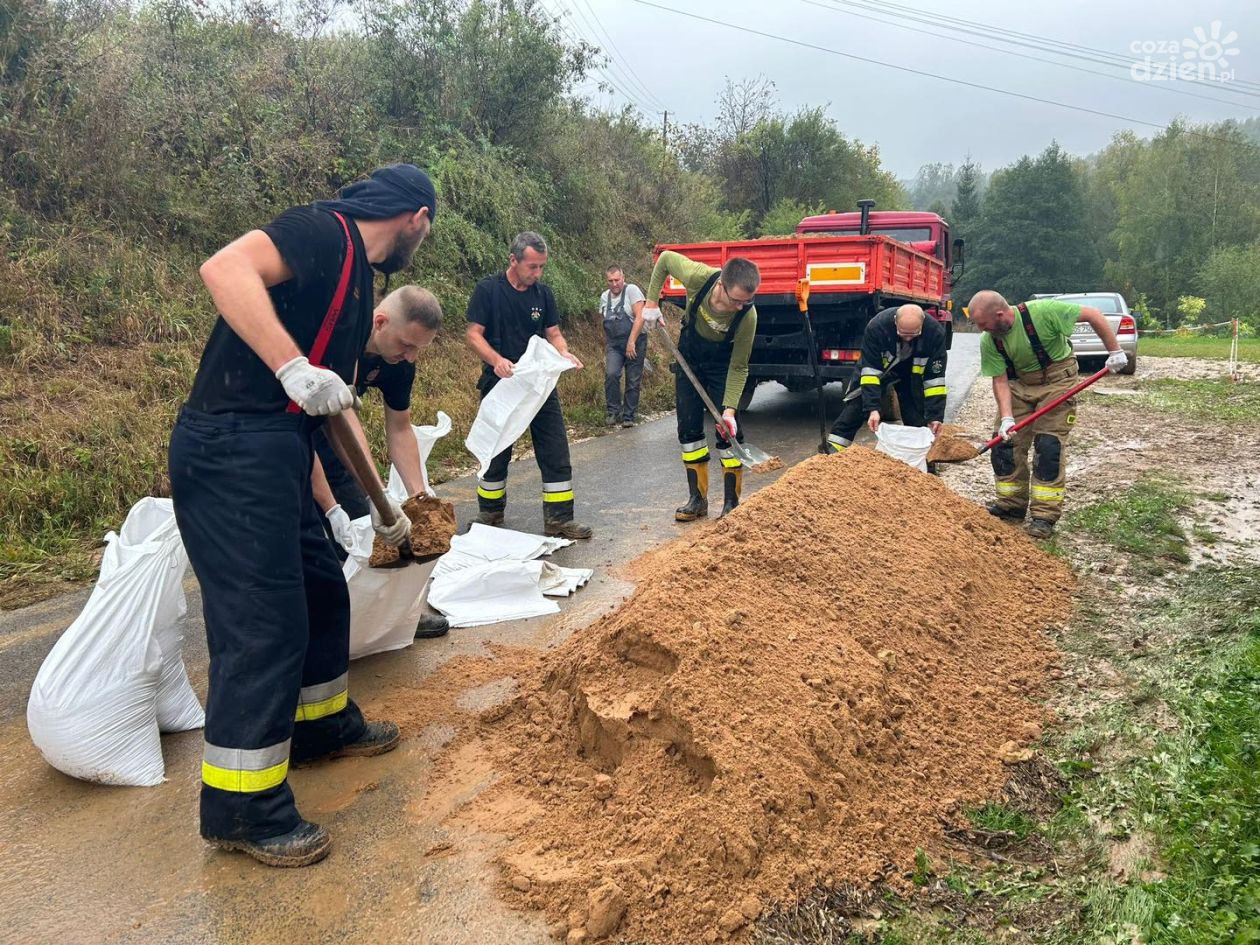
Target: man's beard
{"x": 399, "y": 257}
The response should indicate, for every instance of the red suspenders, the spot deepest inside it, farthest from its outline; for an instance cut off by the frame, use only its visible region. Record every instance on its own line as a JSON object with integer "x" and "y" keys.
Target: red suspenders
{"x": 316, "y": 355}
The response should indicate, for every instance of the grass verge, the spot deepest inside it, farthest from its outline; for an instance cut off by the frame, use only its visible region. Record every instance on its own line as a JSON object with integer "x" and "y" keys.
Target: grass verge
{"x": 1194, "y": 346}
{"x": 1143, "y": 521}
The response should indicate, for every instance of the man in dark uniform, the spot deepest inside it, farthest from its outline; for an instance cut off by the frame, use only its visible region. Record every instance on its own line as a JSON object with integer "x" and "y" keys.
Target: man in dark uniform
{"x": 295, "y": 304}
{"x": 900, "y": 346}
{"x": 505, "y": 311}
{"x": 403, "y": 325}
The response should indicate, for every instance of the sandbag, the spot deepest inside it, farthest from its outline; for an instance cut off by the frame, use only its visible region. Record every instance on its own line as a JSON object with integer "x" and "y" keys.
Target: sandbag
{"x": 116, "y": 677}
{"x": 385, "y": 603}
{"x": 908, "y": 444}
{"x": 506, "y": 412}
{"x": 426, "y": 437}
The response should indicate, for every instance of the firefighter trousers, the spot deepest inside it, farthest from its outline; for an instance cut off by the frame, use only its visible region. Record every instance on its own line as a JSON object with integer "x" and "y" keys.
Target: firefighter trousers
{"x": 691, "y": 412}
{"x": 551, "y": 450}
{"x": 853, "y": 415}
{"x": 1037, "y": 486}
{"x": 277, "y": 614}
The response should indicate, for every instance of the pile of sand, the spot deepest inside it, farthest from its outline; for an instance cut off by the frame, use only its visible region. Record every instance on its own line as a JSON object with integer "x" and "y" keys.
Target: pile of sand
{"x": 795, "y": 694}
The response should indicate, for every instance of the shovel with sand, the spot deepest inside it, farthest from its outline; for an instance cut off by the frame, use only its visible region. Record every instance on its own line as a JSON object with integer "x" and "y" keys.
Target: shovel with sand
{"x": 757, "y": 460}
{"x": 345, "y": 443}
{"x": 950, "y": 448}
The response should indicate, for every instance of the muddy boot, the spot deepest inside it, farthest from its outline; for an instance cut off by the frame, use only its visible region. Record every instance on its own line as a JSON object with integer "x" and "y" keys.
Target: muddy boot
{"x": 431, "y": 626}
{"x": 489, "y": 518}
{"x": 1002, "y": 512}
{"x": 1039, "y": 528}
{"x": 377, "y": 738}
{"x": 555, "y": 528}
{"x": 698, "y": 503}
{"x": 306, "y": 844}
{"x": 732, "y": 486}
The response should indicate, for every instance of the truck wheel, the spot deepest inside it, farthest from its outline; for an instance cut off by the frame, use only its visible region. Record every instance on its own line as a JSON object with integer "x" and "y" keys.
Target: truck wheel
{"x": 745, "y": 399}
{"x": 1131, "y": 367}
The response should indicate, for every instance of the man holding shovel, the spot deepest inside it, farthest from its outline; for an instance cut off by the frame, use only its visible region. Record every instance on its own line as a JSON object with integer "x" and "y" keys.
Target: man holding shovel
{"x": 295, "y": 302}
{"x": 1027, "y": 350}
{"x": 716, "y": 339}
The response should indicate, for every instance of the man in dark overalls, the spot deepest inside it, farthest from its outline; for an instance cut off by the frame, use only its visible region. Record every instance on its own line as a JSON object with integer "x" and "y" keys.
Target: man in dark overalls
{"x": 295, "y": 303}
{"x": 716, "y": 339}
{"x": 625, "y": 346}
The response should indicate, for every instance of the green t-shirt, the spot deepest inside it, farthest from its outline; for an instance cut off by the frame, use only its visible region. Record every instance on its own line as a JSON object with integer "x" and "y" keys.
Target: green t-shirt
{"x": 1054, "y": 321}
{"x": 709, "y": 325}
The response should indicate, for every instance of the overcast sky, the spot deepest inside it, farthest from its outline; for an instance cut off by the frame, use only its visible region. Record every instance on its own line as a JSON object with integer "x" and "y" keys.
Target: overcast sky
{"x": 681, "y": 64}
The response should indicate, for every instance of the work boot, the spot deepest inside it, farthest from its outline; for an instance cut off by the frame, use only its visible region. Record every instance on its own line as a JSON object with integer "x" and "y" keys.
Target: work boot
{"x": 431, "y": 626}
{"x": 610, "y": 421}
{"x": 627, "y": 422}
{"x": 485, "y": 517}
{"x": 569, "y": 529}
{"x": 1002, "y": 512}
{"x": 1039, "y": 528}
{"x": 377, "y": 738}
{"x": 732, "y": 486}
{"x": 305, "y": 844}
{"x": 698, "y": 502}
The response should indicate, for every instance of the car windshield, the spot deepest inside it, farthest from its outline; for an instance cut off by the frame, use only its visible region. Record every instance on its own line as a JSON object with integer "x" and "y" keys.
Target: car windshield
{"x": 1107, "y": 304}
{"x": 902, "y": 234}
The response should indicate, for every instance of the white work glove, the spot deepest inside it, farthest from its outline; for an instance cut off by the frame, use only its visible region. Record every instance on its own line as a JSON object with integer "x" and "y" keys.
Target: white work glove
{"x": 651, "y": 313}
{"x": 318, "y": 391}
{"x": 339, "y": 522}
{"x": 732, "y": 428}
{"x": 397, "y": 533}
{"x": 1117, "y": 361}
{"x": 1004, "y": 428}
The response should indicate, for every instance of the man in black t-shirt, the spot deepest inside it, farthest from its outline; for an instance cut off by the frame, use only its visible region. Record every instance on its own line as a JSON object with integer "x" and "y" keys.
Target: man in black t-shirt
{"x": 506, "y": 310}
{"x": 403, "y": 325}
{"x": 295, "y": 304}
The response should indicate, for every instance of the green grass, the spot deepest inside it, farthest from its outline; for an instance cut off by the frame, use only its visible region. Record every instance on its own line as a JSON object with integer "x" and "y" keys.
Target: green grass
{"x": 1143, "y": 521}
{"x": 1196, "y": 346}
{"x": 1202, "y": 401}
{"x": 998, "y": 818}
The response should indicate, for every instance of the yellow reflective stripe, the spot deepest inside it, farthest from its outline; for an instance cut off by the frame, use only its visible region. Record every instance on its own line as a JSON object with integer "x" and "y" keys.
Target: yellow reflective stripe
{"x": 491, "y": 493}
{"x": 1008, "y": 488}
{"x": 558, "y": 496}
{"x": 228, "y": 779}
{"x": 919, "y": 368}
{"x": 1047, "y": 493}
{"x": 870, "y": 379}
{"x": 731, "y": 463}
{"x": 837, "y": 447}
{"x": 693, "y": 455}
{"x": 935, "y": 391}
{"x": 310, "y": 711}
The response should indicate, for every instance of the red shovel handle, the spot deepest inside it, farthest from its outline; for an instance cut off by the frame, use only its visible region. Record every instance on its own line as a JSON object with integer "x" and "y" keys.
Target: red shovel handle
{"x": 1042, "y": 411}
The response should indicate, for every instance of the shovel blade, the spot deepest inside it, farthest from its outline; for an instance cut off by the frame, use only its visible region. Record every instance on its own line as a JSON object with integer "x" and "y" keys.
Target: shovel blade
{"x": 758, "y": 460}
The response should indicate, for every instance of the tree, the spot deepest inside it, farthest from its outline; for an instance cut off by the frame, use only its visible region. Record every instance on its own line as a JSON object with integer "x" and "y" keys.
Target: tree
{"x": 1230, "y": 281}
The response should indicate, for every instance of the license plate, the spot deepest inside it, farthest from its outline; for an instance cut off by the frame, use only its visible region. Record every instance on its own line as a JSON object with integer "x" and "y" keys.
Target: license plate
{"x": 1082, "y": 329}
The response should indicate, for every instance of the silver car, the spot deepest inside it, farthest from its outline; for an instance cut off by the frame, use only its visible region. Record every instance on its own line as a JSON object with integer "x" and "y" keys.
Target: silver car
{"x": 1086, "y": 345}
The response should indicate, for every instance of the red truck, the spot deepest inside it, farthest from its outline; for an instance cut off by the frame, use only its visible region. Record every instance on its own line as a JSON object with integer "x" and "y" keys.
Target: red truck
{"x": 857, "y": 264}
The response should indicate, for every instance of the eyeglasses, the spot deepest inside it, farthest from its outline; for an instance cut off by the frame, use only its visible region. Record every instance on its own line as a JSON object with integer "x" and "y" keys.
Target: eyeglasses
{"x": 735, "y": 299}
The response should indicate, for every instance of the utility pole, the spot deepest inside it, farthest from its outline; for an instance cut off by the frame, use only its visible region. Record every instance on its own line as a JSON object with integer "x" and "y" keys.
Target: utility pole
{"x": 664, "y": 151}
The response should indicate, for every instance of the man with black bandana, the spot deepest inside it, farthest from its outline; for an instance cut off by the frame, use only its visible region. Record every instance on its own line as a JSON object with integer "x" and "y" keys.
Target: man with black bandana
{"x": 295, "y": 302}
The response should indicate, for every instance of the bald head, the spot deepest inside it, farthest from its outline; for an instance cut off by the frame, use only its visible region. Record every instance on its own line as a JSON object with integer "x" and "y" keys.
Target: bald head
{"x": 909, "y": 321}
{"x": 990, "y": 311}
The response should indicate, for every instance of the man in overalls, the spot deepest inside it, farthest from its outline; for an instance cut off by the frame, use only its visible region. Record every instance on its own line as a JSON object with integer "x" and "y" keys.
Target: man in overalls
{"x": 625, "y": 346}
{"x": 716, "y": 340}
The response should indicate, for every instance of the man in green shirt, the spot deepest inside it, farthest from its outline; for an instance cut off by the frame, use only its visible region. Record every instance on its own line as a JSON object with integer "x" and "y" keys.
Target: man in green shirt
{"x": 1027, "y": 350}
{"x": 716, "y": 339}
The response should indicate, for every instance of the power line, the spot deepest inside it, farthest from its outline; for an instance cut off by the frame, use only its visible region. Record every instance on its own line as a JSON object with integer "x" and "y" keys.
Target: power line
{"x": 919, "y": 72}
{"x": 604, "y": 74}
{"x": 1063, "y": 65}
{"x": 621, "y": 58}
{"x": 1016, "y": 38}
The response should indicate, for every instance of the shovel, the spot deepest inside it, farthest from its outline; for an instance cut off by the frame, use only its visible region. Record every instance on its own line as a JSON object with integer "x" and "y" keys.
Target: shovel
{"x": 346, "y": 444}
{"x": 755, "y": 459}
{"x": 955, "y": 450}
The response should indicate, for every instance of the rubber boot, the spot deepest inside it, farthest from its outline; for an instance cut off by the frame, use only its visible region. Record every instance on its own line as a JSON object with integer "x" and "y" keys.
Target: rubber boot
{"x": 732, "y": 486}
{"x": 305, "y": 844}
{"x": 698, "y": 485}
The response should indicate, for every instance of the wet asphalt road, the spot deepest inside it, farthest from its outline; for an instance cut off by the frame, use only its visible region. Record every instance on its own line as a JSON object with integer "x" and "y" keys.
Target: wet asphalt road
{"x": 85, "y": 863}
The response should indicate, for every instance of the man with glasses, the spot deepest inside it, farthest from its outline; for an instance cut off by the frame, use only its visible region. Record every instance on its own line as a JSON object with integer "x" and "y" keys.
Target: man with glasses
{"x": 716, "y": 339}
{"x": 901, "y": 347}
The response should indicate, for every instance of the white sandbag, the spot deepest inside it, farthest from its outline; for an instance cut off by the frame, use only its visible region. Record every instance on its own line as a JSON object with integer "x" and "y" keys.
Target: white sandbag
{"x": 491, "y": 592}
{"x": 385, "y": 603}
{"x": 116, "y": 675}
{"x": 507, "y": 411}
{"x": 908, "y": 444}
{"x": 426, "y": 437}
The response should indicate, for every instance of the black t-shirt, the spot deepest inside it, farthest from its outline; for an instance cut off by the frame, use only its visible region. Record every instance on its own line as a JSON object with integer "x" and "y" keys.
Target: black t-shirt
{"x": 231, "y": 378}
{"x": 511, "y": 317}
{"x": 392, "y": 380}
